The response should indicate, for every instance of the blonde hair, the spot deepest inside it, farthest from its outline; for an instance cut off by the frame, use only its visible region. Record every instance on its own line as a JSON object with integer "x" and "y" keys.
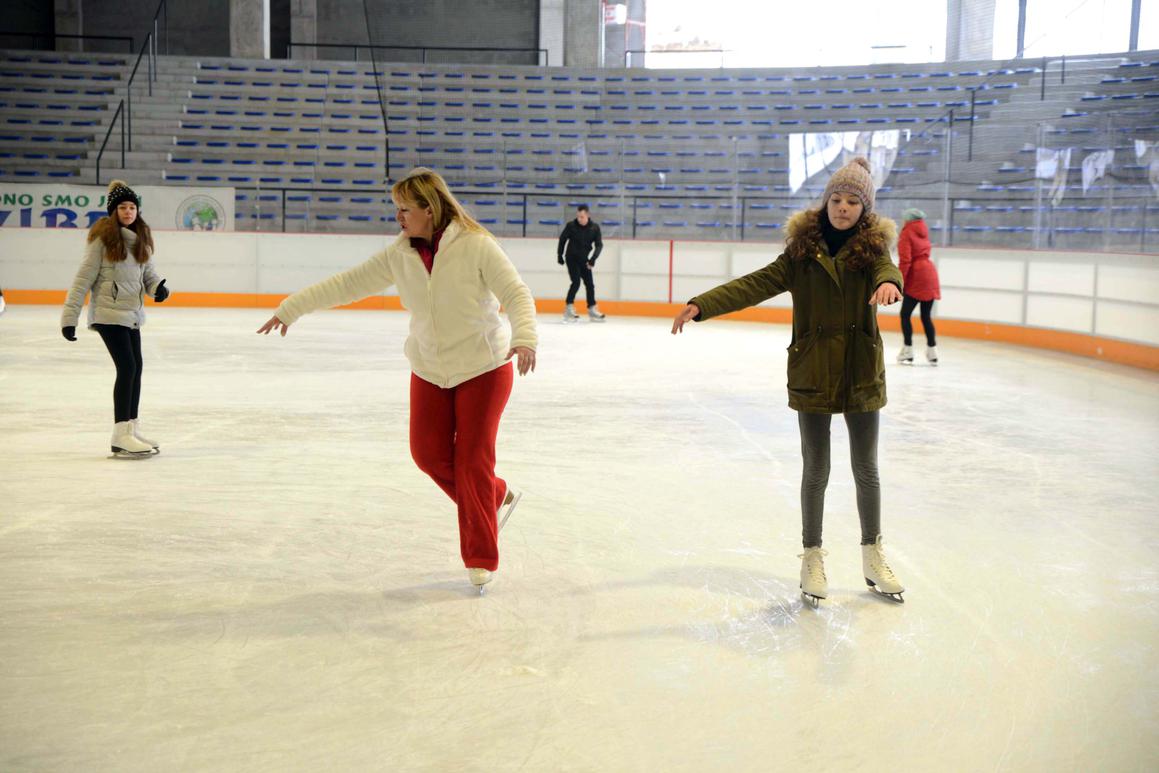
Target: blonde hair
{"x": 427, "y": 189}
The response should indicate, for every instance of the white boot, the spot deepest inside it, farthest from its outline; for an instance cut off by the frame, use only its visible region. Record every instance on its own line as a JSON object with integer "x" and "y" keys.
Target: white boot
{"x": 510, "y": 500}
{"x": 479, "y": 577}
{"x": 569, "y": 314}
{"x": 878, "y": 575}
{"x": 125, "y": 445}
{"x": 2, "y": 304}
{"x": 594, "y": 313}
{"x": 906, "y": 355}
{"x": 932, "y": 355}
{"x": 137, "y": 434}
{"x": 814, "y": 586}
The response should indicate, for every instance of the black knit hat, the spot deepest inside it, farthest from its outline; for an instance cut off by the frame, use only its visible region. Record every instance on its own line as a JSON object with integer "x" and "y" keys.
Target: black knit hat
{"x": 119, "y": 191}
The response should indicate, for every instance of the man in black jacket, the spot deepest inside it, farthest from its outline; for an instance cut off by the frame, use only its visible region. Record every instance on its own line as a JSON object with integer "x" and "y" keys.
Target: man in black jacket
{"x": 576, "y": 249}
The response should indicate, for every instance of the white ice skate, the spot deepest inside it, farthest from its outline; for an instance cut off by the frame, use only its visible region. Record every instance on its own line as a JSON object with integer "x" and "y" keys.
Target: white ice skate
{"x": 595, "y": 315}
{"x": 137, "y": 434}
{"x": 878, "y": 576}
{"x": 508, "y": 507}
{"x": 479, "y": 577}
{"x": 906, "y": 355}
{"x": 932, "y": 355}
{"x": 125, "y": 446}
{"x": 2, "y": 304}
{"x": 569, "y": 314}
{"x": 814, "y": 586}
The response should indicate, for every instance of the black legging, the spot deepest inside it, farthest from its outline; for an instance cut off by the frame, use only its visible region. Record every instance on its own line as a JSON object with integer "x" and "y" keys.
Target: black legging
{"x": 863, "y": 429}
{"x": 907, "y": 328}
{"x": 578, "y": 270}
{"x": 124, "y": 345}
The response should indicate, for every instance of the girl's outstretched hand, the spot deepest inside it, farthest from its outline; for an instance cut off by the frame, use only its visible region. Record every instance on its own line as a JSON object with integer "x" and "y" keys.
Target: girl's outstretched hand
{"x": 687, "y": 314}
{"x": 526, "y": 362}
{"x": 273, "y": 324}
{"x": 885, "y": 294}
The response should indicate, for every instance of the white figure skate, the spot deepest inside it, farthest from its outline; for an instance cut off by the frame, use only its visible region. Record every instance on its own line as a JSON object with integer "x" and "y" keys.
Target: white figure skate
{"x": 814, "y": 586}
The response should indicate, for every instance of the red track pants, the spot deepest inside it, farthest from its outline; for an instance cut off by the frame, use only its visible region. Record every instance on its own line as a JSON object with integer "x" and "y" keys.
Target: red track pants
{"x": 452, "y": 439}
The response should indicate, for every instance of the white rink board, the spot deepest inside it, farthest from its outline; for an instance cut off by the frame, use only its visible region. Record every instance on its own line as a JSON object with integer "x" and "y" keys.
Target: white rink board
{"x": 1014, "y": 287}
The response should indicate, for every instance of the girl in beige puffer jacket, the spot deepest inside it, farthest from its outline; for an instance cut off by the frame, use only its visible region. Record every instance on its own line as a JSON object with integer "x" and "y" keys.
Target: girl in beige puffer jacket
{"x": 118, "y": 272}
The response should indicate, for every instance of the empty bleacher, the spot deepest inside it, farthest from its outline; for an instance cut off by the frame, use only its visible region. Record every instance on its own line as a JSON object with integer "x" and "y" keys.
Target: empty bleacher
{"x": 660, "y": 154}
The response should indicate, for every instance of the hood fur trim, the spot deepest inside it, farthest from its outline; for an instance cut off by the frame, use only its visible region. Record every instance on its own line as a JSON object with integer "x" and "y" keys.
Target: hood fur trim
{"x": 875, "y": 236}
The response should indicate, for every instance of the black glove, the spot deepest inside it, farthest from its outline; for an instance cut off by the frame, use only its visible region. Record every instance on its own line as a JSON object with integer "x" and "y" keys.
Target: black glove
{"x": 160, "y": 294}
{"x": 69, "y": 332}
{"x": 561, "y": 260}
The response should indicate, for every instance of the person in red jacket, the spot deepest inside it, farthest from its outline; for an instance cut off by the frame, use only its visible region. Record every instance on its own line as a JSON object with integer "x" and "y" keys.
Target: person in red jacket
{"x": 920, "y": 283}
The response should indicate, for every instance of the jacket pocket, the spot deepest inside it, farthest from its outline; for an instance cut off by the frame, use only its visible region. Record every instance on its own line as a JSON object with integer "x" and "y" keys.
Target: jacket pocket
{"x": 807, "y": 367}
{"x": 124, "y": 299}
{"x": 868, "y": 361}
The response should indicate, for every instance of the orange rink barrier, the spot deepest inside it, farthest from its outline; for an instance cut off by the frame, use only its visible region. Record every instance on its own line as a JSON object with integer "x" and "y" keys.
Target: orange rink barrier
{"x": 1105, "y": 349}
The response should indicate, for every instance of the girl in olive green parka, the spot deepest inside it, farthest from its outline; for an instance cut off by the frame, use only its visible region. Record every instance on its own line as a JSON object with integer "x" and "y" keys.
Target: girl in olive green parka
{"x": 837, "y": 266}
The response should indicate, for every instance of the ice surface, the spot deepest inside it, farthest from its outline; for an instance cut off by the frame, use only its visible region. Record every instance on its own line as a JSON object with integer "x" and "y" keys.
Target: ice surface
{"x": 281, "y": 590}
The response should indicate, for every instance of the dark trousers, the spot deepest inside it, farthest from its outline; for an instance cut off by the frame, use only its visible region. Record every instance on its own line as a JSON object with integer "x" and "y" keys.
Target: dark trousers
{"x": 907, "y": 328}
{"x": 578, "y": 270}
{"x": 124, "y": 345}
{"x": 815, "y": 472}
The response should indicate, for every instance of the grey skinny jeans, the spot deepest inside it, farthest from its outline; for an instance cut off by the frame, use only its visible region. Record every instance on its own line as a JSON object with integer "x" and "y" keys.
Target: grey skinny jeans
{"x": 863, "y": 428}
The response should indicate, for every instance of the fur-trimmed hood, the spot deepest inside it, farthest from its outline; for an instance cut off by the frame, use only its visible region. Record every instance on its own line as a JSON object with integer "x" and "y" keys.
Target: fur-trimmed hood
{"x": 875, "y": 235}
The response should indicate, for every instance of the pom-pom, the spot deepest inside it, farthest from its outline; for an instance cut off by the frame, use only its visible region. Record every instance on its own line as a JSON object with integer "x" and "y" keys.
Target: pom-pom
{"x": 114, "y": 184}
{"x": 862, "y": 161}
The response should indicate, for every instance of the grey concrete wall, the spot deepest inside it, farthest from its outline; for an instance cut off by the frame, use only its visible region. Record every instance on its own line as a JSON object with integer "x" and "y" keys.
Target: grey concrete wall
{"x": 969, "y": 29}
{"x": 195, "y": 27}
{"x": 249, "y": 29}
{"x": 552, "y": 23}
{"x": 449, "y": 23}
{"x": 582, "y": 33}
{"x": 303, "y": 27}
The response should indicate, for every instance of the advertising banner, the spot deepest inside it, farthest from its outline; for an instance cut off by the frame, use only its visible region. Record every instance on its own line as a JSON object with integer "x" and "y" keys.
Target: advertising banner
{"x": 167, "y": 208}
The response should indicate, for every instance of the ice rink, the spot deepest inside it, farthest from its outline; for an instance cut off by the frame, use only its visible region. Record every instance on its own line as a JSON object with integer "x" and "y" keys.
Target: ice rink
{"x": 281, "y": 589}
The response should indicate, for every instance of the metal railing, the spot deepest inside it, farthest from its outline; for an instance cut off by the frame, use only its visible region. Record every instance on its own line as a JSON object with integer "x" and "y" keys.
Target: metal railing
{"x": 118, "y": 114}
{"x": 622, "y": 217}
{"x": 54, "y": 37}
{"x": 540, "y": 53}
{"x": 162, "y": 8}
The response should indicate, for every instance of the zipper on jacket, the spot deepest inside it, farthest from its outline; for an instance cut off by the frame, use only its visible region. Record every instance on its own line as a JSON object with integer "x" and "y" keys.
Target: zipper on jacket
{"x": 849, "y": 364}
{"x": 434, "y": 324}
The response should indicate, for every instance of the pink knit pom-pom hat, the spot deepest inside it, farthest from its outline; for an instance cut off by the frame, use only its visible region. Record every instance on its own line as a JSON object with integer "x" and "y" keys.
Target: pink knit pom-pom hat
{"x": 855, "y": 178}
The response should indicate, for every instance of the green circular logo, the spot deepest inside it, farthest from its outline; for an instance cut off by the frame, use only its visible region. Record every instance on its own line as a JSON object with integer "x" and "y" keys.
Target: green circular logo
{"x": 201, "y": 213}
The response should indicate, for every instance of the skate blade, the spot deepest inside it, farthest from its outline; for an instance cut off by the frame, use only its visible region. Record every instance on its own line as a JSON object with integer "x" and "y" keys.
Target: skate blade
{"x": 510, "y": 509}
{"x": 811, "y": 600}
{"x": 121, "y": 454}
{"x": 895, "y": 597}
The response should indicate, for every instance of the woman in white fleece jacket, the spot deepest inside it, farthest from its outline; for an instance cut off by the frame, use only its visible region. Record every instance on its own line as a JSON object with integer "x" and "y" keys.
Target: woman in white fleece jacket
{"x": 452, "y": 276}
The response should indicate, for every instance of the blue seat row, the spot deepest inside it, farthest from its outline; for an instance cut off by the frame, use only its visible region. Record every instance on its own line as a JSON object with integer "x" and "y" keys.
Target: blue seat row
{"x": 21, "y": 75}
